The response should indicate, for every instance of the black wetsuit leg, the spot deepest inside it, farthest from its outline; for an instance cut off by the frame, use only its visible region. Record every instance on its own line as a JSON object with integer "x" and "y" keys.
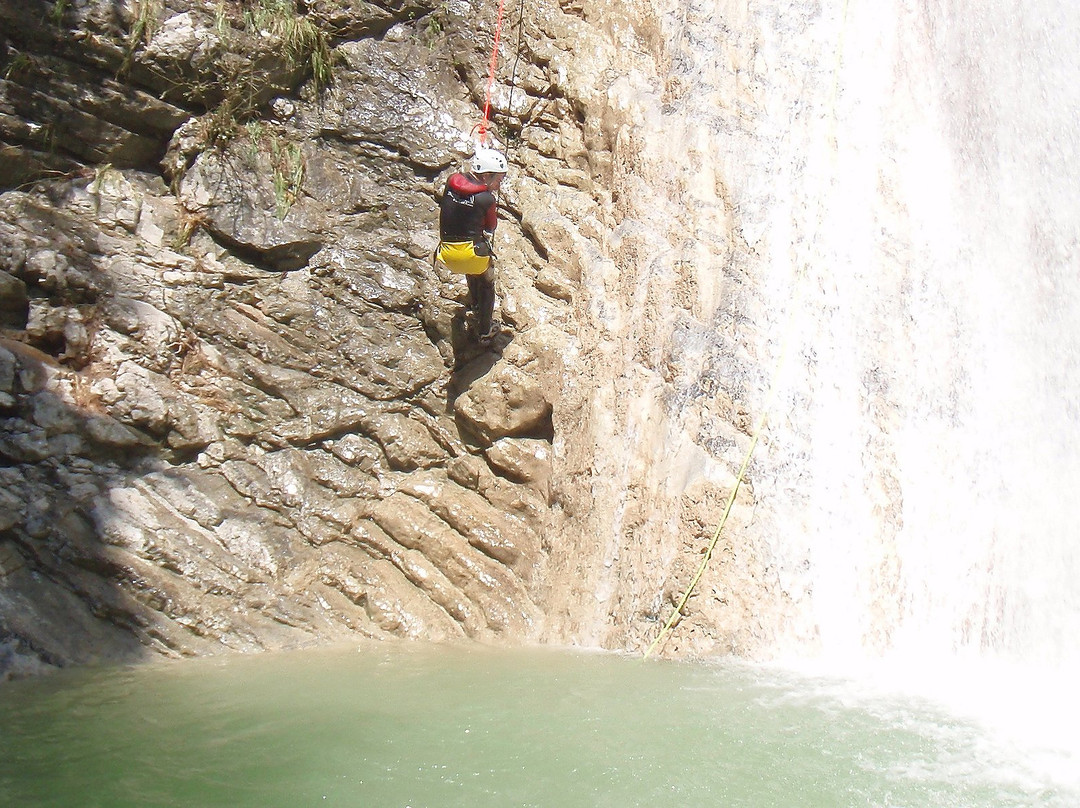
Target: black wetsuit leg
{"x": 482, "y": 299}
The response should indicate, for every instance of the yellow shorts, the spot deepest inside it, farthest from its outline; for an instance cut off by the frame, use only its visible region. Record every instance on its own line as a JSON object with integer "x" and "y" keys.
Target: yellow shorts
{"x": 460, "y": 257}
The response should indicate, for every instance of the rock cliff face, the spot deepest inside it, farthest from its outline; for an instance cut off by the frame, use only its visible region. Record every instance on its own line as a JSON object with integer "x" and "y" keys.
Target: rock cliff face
{"x": 238, "y": 405}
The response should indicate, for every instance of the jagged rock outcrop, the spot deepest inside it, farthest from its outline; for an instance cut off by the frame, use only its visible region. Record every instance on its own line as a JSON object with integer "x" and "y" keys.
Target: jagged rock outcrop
{"x": 238, "y": 407}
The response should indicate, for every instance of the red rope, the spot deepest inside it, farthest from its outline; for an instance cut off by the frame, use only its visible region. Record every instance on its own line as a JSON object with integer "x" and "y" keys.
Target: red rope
{"x": 491, "y": 75}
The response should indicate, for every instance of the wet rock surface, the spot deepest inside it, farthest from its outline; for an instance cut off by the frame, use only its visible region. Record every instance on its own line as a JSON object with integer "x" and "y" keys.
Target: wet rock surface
{"x": 239, "y": 408}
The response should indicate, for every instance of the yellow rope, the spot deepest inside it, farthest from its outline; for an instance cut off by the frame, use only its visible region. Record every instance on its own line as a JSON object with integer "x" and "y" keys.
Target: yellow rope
{"x": 730, "y": 502}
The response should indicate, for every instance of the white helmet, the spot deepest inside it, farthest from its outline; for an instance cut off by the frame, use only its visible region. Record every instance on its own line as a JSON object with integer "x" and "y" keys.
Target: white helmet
{"x": 488, "y": 161}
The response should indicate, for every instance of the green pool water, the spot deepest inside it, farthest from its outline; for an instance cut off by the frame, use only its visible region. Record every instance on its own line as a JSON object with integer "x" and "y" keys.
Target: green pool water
{"x": 420, "y": 726}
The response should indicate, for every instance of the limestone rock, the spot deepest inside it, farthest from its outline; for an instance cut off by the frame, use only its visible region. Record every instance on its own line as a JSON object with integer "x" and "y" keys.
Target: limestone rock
{"x": 63, "y": 103}
{"x": 7, "y": 379}
{"x": 356, "y": 19}
{"x": 506, "y": 402}
{"x": 398, "y": 109}
{"x": 245, "y": 214}
{"x": 14, "y": 304}
{"x": 523, "y": 460}
{"x": 238, "y": 408}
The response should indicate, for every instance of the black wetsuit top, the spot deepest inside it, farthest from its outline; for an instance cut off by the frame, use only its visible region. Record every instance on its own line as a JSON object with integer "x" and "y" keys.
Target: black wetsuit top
{"x": 466, "y": 211}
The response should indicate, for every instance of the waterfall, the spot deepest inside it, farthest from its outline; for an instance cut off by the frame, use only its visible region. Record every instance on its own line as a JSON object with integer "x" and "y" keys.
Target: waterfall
{"x": 935, "y": 379}
{"x": 874, "y": 209}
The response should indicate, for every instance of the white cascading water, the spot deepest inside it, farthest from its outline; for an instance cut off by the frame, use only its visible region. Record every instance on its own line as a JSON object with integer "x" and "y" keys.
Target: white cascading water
{"x": 935, "y": 379}
{"x": 904, "y": 181}
{"x": 958, "y": 322}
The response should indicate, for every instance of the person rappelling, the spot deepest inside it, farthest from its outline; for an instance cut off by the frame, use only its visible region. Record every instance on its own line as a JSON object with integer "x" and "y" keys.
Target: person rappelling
{"x": 467, "y": 219}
